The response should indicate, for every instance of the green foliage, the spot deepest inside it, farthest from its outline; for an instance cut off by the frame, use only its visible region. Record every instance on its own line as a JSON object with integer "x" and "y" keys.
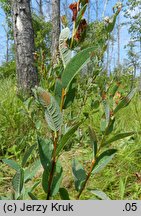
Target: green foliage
{"x": 66, "y": 137}
{"x": 93, "y": 141}
{"x": 18, "y": 181}
{"x": 103, "y": 160}
{"x": 21, "y": 177}
{"x": 75, "y": 65}
{"x": 57, "y": 179}
{"x": 27, "y": 155}
{"x": 82, "y": 111}
{"x": 42, "y": 32}
{"x": 53, "y": 115}
{"x": 79, "y": 174}
{"x": 16, "y": 131}
{"x": 125, "y": 101}
{"x": 65, "y": 52}
{"x": 100, "y": 194}
{"x": 8, "y": 69}
{"x": 12, "y": 164}
{"x": 45, "y": 152}
{"x": 64, "y": 194}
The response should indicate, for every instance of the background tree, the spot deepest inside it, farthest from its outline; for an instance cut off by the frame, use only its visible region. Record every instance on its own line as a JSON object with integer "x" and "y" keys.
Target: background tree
{"x": 24, "y": 45}
{"x": 55, "y": 29}
{"x": 133, "y": 13}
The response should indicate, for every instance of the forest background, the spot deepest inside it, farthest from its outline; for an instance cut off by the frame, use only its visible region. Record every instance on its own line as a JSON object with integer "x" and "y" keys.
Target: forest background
{"x": 91, "y": 118}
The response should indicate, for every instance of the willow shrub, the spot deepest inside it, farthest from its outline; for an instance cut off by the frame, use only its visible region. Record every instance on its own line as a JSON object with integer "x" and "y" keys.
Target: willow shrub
{"x": 55, "y": 102}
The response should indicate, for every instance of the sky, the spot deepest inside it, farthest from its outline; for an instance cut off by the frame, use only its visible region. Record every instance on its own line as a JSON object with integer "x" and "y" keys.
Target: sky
{"x": 125, "y": 37}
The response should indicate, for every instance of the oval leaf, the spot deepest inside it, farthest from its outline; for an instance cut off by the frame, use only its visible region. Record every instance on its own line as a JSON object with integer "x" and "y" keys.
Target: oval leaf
{"x": 103, "y": 160}
{"x": 100, "y": 194}
{"x": 18, "y": 181}
{"x": 45, "y": 152}
{"x": 32, "y": 196}
{"x": 57, "y": 179}
{"x": 125, "y": 101}
{"x": 65, "y": 52}
{"x": 93, "y": 141}
{"x": 12, "y": 164}
{"x": 75, "y": 65}
{"x": 118, "y": 137}
{"x": 53, "y": 114}
{"x": 64, "y": 194}
{"x": 27, "y": 154}
{"x": 64, "y": 140}
{"x": 79, "y": 174}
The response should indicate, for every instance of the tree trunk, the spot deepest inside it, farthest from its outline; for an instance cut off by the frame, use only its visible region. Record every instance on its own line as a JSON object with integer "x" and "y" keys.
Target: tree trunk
{"x": 24, "y": 45}
{"x": 7, "y": 42}
{"x": 41, "y": 8}
{"x": 97, "y": 9}
{"x": 105, "y": 6}
{"x": 40, "y": 5}
{"x": 55, "y": 30}
{"x": 118, "y": 36}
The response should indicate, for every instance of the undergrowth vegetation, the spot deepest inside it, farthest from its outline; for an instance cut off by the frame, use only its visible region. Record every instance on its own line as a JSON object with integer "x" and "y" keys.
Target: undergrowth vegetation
{"x": 78, "y": 135}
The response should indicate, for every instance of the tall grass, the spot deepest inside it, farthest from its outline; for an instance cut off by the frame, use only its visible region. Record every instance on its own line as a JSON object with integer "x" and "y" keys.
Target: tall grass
{"x": 120, "y": 180}
{"x": 15, "y": 129}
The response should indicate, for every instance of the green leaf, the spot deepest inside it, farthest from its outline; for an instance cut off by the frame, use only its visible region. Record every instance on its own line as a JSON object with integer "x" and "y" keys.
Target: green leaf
{"x": 95, "y": 104}
{"x": 118, "y": 137}
{"x": 103, "y": 124}
{"x": 45, "y": 152}
{"x": 110, "y": 127}
{"x": 53, "y": 114}
{"x": 27, "y": 155}
{"x": 12, "y": 164}
{"x": 57, "y": 179}
{"x": 122, "y": 187}
{"x": 38, "y": 124}
{"x": 34, "y": 185}
{"x": 114, "y": 89}
{"x": 70, "y": 94}
{"x": 18, "y": 181}
{"x": 58, "y": 90}
{"x": 28, "y": 103}
{"x": 32, "y": 170}
{"x": 65, "y": 52}
{"x": 93, "y": 141}
{"x": 111, "y": 23}
{"x": 80, "y": 15}
{"x": 103, "y": 160}
{"x": 75, "y": 65}
{"x": 100, "y": 194}
{"x": 64, "y": 194}
{"x": 64, "y": 140}
{"x": 45, "y": 179}
{"x": 79, "y": 174}
{"x": 32, "y": 196}
{"x": 125, "y": 101}
{"x": 107, "y": 111}
{"x": 4, "y": 198}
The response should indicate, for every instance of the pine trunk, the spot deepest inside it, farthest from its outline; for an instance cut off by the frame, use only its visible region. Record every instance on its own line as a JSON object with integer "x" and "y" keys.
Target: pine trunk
{"x": 24, "y": 45}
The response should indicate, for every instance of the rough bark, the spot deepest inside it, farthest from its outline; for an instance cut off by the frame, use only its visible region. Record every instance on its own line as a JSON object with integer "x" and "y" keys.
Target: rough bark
{"x": 55, "y": 30}
{"x": 24, "y": 45}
